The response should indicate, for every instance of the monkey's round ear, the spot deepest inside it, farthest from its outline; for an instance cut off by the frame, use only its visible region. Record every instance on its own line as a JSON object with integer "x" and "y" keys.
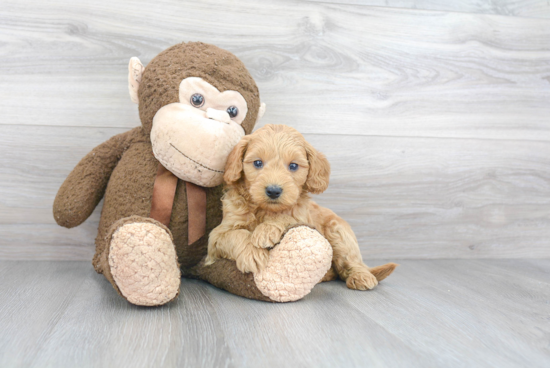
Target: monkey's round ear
{"x": 135, "y": 71}
{"x": 234, "y": 165}
{"x": 261, "y": 111}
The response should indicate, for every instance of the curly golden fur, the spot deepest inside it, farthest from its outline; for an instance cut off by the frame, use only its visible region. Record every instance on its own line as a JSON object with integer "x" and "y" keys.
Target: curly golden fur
{"x": 253, "y": 222}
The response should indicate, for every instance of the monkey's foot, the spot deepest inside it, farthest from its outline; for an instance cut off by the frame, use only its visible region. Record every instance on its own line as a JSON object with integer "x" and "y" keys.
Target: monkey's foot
{"x": 295, "y": 265}
{"x": 143, "y": 264}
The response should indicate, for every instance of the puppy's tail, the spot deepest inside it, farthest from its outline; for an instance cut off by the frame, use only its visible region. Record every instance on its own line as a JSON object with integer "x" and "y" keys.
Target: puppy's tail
{"x": 381, "y": 272}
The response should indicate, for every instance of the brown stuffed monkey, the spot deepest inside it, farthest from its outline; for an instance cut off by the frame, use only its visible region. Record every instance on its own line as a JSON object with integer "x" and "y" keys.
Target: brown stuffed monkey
{"x": 162, "y": 181}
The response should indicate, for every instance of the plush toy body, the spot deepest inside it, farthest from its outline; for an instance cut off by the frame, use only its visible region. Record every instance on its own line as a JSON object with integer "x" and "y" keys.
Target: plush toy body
{"x": 125, "y": 169}
{"x": 195, "y": 102}
{"x": 162, "y": 181}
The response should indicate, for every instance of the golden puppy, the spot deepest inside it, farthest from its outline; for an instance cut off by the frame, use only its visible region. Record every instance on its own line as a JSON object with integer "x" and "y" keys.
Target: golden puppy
{"x": 269, "y": 175}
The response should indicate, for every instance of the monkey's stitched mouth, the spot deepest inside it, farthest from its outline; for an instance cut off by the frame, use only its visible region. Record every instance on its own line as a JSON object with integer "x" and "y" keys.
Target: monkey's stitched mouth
{"x": 198, "y": 163}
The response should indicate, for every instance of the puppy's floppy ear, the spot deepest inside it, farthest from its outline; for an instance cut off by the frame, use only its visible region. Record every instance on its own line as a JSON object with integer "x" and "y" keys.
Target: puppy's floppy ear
{"x": 319, "y": 171}
{"x": 234, "y": 165}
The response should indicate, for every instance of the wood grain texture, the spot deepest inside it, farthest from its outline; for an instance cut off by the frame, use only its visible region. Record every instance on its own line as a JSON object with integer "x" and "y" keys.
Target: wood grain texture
{"x": 404, "y": 197}
{"x": 451, "y": 313}
{"x": 322, "y": 68}
{"x": 33, "y": 298}
{"x": 436, "y": 123}
{"x": 434, "y": 198}
{"x": 475, "y": 310}
{"x": 514, "y": 8}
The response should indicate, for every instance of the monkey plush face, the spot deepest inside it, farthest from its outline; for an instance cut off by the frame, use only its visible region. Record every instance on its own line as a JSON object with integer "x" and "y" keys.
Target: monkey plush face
{"x": 193, "y": 137}
{"x": 197, "y": 101}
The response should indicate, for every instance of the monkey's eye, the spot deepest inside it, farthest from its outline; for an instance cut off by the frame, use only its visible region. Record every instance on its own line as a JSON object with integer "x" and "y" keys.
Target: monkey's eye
{"x": 232, "y": 111}
{"x": 293, "y": 167}
{"x": 197, "y": 100}
{"x": 258, "y": 164}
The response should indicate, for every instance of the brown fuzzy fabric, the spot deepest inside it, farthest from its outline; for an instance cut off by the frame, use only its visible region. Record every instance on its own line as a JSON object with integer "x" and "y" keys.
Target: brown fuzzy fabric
{"x": 72, "y": 207}
{"x": 225, "y": 275}
{"x": 123, "y": 169}
{"x": 130, "y": 191}
{"x": 162, "y": 76}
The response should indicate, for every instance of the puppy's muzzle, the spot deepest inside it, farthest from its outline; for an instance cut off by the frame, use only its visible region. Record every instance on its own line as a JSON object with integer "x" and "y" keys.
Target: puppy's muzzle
{"x": 273, "y": 191}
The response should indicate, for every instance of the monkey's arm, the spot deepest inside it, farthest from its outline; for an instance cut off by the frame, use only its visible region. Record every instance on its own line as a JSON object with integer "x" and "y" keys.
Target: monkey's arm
{"x": 85, "y": 186}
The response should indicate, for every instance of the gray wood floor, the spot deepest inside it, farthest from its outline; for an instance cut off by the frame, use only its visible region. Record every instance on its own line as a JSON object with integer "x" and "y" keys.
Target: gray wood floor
{"x": 430, "y": 313}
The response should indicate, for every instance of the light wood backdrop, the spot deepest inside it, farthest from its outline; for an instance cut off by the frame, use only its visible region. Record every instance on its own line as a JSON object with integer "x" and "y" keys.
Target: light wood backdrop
{"x": 435, "y": 115}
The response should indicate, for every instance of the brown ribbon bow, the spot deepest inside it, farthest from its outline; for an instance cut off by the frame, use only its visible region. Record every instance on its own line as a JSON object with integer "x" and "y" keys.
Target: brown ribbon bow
{"x": 164, "y": 191}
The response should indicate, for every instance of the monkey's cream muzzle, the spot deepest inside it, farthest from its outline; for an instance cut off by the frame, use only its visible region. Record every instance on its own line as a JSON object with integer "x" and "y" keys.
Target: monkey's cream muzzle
{"x": 192, "y": 144}
{"x": 221, "y": 116}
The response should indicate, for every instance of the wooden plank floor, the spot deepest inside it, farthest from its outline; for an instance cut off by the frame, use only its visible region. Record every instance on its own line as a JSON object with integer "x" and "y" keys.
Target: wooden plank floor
{"x": 430, "y": 313}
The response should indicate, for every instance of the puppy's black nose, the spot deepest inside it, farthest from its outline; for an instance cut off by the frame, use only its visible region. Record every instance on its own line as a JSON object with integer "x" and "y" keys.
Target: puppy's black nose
{"x": 273, "y": 191}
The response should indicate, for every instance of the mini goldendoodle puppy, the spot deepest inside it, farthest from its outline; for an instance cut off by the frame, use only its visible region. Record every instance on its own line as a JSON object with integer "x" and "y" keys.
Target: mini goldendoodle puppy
{"x": 269, "y": 175}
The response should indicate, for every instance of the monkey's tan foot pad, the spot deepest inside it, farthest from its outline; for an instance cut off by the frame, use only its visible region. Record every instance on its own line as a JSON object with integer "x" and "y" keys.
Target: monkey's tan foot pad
{"x": 295, "y": 266}
{"x": 143, "y": 263}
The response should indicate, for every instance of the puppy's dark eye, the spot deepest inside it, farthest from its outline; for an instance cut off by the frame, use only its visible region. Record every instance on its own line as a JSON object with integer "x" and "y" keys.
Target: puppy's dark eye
{"x": 232, "y": 111}
{"x": 293, "y": 167}
{"x": 197, "y": 100}
{"x": 258, "y": 164}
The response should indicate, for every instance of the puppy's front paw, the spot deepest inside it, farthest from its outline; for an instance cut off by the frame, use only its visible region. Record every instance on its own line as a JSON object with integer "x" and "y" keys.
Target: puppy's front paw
{"x": 252, "y": 260}
{"x": 361, "y": 281}
{"x": 266, "y": 235}
{"x": 210, "y": 259}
